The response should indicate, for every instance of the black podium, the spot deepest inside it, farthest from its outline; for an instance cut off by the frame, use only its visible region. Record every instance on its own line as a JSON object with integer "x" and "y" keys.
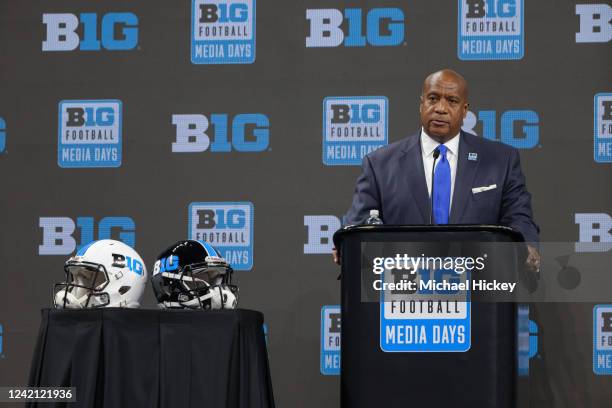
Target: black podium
{"x": 478, "y": 370}
{"x": 152, "y": 358}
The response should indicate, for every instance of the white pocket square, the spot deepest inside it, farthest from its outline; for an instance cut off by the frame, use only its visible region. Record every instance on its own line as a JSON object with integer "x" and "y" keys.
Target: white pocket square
{"x": 477, "y": 190}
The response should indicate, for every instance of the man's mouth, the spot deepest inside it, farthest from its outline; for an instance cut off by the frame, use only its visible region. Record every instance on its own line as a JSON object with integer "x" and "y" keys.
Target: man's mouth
{"x": 439, "y": 123}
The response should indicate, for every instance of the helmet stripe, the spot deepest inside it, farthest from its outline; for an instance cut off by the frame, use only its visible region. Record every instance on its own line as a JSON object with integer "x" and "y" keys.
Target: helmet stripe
{"x": 85, "y": 248}
{"x": 209, "y": 248}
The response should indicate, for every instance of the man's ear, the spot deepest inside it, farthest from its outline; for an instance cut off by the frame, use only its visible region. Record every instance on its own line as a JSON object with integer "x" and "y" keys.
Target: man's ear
{"x": 466, "y": 108}
{"x": 421, "y": 104}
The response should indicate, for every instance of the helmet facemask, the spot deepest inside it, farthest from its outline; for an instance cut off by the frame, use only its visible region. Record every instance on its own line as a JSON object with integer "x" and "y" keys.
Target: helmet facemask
{"x": 83, "y": 288}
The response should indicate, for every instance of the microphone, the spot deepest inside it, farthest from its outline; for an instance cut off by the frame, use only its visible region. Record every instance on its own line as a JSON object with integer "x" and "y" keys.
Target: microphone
{"x": 436, "y": 154}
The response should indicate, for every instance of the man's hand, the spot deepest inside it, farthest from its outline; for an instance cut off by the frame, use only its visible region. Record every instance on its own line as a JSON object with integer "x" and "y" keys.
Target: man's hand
{"x": 533, "y": 259}
{"x": 336, "y": 256}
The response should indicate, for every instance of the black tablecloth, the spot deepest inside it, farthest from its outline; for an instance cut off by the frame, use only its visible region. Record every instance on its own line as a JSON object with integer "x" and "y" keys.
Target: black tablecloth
{"x": 151, "y": 358}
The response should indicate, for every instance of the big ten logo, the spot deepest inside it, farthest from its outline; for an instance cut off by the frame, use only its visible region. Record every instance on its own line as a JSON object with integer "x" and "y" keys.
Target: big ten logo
{"x": 603, "y": 126}
{"x": 432, "y": 314}
{"x": 89, "y": 133}
{"x": 223, "y": 31}
{"x": 123, "y": 261}
{"x": 168, "y": 264}
{"x": 330, "y": 340}
{"x": 595, "y": 23}
{"x": 228, "y": 226}
{"x": 517, "y": 128}
{"x": 355, "y": 27}
{"x": 602, "y": 339}
{"x": 2, "y": 135}
{"x": 595, "y": 232}
{"x": 60, "y": 233}
{"x": 490, "y": 30}
{"x": 353, "y": 126}
{"x": 250, "y": 132}
{"x": 319, "y": 233}
{"x": 527, "y": 339}
{"x": 90, "y": 31}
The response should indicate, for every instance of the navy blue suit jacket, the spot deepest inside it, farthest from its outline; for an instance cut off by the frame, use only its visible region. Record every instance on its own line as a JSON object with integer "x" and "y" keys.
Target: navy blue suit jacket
{"x": 393, "y": 181}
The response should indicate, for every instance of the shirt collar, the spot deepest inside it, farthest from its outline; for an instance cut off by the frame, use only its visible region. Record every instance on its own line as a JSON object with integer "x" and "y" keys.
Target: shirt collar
{"x": 429, "y": 145}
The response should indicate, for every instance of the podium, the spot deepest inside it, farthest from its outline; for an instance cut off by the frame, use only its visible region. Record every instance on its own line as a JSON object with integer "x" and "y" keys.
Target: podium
{"x": 472, "y": 364}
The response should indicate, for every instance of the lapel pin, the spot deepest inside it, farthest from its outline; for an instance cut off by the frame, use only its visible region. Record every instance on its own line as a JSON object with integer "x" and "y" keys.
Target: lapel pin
{"x": 472, "y": 156}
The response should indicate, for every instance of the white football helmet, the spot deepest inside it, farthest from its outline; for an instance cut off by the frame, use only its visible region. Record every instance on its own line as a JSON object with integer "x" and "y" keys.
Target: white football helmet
{"x": 105, "y": 273}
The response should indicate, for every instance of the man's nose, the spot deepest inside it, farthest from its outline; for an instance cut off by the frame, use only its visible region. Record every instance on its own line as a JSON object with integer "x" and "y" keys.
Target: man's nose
{"x": 441, "y": 106}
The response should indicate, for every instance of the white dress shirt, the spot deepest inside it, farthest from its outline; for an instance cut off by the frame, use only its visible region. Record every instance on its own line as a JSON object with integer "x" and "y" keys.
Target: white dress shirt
{"x": 428, "y": 145}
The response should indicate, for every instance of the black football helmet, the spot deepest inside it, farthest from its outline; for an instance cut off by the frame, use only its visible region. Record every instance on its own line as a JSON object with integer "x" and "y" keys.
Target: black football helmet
{"x": 192, "y": 275}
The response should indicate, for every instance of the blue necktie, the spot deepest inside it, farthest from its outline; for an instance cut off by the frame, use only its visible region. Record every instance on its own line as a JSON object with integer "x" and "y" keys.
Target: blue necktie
{"x": 442, "y": 188}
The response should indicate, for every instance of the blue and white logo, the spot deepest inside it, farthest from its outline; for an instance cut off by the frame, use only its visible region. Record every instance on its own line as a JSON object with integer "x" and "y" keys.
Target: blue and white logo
{"x": 330, "y": 340}
{"x": 516, "y": 128}
{"x": 490, "y": 30}
{"x": 383, "y": 27}
{"x": 119, "y": 31}
{"x": 250, "y": 132}
{"x": 320, "y": 233}
{"x": 2, "y": 135}
{"x": 594, "y": 232}
{"x": 60, "y": 233}
{"x": 89, "y": 133}
{"x": 603, "y": 127}
{"x": 427, "y": 320}
{"x": 595, "y": 23}
{"x": 602, "y": 339}
{"x": 228, "y": 226}
{"x": 353, "y": 126}
{"x": 223, "y": 31}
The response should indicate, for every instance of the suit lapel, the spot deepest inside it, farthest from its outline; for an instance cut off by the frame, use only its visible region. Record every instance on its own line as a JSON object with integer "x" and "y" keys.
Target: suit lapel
{"x": 411, "y": 165}
{"x": 464, "y": 180}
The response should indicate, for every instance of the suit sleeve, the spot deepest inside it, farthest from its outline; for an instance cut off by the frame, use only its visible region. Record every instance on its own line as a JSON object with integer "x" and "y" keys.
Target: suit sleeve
{"x": 516, "y": 201}
{"x": 365, "y": 197}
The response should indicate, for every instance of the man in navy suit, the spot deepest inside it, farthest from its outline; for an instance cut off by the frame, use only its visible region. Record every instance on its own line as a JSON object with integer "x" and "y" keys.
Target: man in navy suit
{"x": 475, "y": 181}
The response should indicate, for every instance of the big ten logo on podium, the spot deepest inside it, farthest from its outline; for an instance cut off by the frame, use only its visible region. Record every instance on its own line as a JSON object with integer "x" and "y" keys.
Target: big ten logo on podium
{"x": 2, "y": 135}
{"x": 490, "y": 30}
{"x": 64, "y": 235}
{"x": 603, "y": 126}
{"x": 89, "y": 133}
{"x": 90, "y": 31}
{"x": 355, "y": 27}
{"x": 227, "y": 226}
{"x": 594, "y": 232}
{"x": 595, "y": 23}
{"x": 330, "y": 340}
{"x": 602, "y": 339}
{"x": 517, "y": 128}
{"x": 250, "y": 132}
{"x": 320, "y": 233}
{"x": 353, "y": 126}
{"x": 223, "y": 31}
{"x": 425, "y": 318}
